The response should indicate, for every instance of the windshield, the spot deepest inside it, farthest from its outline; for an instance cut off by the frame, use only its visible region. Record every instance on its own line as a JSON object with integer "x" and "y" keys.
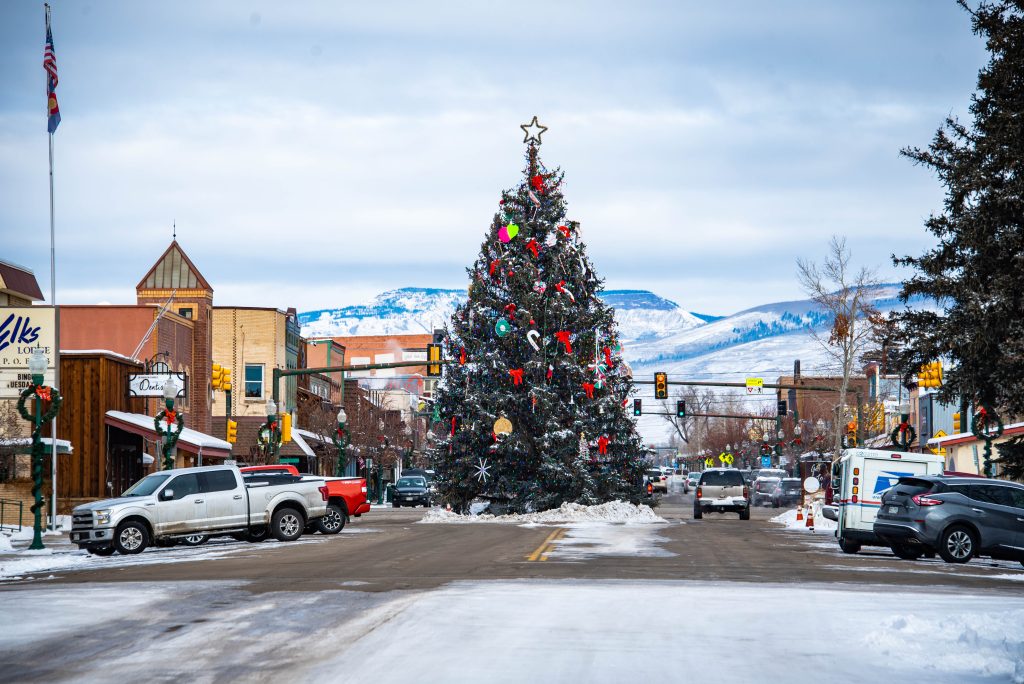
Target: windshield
{"x": 717, "y": 478}
{"x": 147, "y": 485}
{"x": 412, "y": 482}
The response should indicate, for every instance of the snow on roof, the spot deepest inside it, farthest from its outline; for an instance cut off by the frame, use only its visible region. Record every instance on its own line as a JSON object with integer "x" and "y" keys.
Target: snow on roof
{"x": 63, "y": 445}
{"x": 107, "y": 352}
{"x": 188, "y": 436}
{"x": 962, "y": 437}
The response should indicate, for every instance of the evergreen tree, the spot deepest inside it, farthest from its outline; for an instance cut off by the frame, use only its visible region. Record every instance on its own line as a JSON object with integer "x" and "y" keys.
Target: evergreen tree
{"x": 535, "y": 346}
{"x": 976, "y": 272}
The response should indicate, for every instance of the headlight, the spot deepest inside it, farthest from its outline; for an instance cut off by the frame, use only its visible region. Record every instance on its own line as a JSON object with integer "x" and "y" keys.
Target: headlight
{"x": 102, "y": 517}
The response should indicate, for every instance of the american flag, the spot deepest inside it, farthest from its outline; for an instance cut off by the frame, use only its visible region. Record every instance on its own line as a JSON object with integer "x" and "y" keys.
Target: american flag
{"x": 50, "y": 66}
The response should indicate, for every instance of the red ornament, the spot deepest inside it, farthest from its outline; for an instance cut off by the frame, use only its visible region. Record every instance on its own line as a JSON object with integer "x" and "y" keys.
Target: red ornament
{"x": 533, "y": 247}
{"x": 510, "y": 309}
{"x": 588, "y": 387}
{"x": 608, "y": 358}
{"x": 494, "y": 266}
{"x": 602, "y": 445}
{"x": 538, "y": 183}
{"x": 563, "y": 337}
{"x": 453, "y": 425}
{"x": 517, "y": 376}
{"x": 551, "y": 372}
{"x": 462, "y": 356}
{"x": 565, "y": 231}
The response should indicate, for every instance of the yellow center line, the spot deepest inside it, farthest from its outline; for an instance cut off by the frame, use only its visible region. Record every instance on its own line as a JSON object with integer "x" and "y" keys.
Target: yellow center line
{"x": 540, "y": 553}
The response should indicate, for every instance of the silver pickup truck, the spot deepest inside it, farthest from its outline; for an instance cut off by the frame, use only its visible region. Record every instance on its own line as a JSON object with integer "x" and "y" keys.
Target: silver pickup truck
{"x": 213, "y": 500}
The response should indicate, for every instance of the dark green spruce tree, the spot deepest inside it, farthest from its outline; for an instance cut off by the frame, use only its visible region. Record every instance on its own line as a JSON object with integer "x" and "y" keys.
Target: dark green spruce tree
{"x": 535, "y": 346}
{"x": 975, "y": 273}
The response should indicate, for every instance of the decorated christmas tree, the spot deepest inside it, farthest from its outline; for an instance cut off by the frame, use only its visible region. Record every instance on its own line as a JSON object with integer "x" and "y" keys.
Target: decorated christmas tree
{"x": 533, "y": 401}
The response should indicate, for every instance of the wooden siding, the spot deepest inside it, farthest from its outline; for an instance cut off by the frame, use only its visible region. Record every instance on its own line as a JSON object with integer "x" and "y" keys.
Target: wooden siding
{"x": 91, "y": 384}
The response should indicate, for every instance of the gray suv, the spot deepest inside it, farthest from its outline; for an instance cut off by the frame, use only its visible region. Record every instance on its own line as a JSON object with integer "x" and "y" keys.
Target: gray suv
{"x": 958, "y": 517}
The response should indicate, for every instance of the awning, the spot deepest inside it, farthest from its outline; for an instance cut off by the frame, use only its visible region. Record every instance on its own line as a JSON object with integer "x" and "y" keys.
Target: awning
{"x": 302, "y": 438}
{"x": 190, "y": 440}
{"x": 23, "y": 445}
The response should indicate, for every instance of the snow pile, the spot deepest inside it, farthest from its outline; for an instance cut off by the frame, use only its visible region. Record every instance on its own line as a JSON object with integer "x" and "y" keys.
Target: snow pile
{"x": 821, "y": 523}
{"x": 5, "y": 543}
{"x": 613, "y": 512}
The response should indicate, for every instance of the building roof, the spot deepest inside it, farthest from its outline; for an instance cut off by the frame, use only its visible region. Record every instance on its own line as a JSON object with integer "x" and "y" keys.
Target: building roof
{"x": 174, "y": 270}
{"x": 967, "y": 437}
{"x": 19, "y": 281}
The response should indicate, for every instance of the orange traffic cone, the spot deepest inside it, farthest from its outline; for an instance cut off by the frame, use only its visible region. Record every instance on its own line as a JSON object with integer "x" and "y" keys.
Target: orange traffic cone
{"x": 810, "y": 517}
{"x": 799, "y": 513}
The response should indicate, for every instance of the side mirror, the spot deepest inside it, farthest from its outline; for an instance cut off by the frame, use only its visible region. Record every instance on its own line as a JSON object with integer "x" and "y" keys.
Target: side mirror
{"x": 167, "y": 495}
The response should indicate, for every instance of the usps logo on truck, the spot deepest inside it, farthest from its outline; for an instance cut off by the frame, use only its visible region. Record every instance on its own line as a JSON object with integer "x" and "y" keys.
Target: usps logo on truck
{"x": 887, "y": 479}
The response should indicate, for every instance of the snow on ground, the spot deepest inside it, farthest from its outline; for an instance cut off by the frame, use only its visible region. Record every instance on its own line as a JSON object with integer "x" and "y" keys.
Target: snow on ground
{"x": 590, "y": 539}
{"x": 821, "y": 523}
{"x": 613, "y": 511}
{"x": 523, "y": 630}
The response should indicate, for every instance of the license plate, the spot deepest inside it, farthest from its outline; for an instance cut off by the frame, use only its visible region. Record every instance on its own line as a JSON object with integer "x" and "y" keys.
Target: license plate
{"x": 894, "y": 509}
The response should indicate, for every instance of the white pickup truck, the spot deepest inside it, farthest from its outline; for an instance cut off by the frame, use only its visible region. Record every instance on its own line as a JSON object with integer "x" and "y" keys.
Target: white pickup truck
{"x": 184, "y": 502}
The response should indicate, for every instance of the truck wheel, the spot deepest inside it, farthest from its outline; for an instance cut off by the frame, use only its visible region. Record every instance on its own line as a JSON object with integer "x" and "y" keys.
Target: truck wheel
{"x": 745, "y": 514}
{"x": 287, "y": 524}
{"x": 333, "y": 522}
{"x": 848, "y": 545}
{"x": 697, "y": 513}
{"x": 131, "y": 538}
{"x": 957, "y": 544}
{"x": 194, "y": 540}
{"x": 102, "y": 550}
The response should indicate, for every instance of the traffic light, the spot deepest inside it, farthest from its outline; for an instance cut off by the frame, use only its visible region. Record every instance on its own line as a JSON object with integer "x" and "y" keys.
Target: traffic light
{"x": 286, "y": 427}
{"x": 681, "y": 409}
{"x": 930, "y": 374}
{"x": 661, "y": 385}
{"x": 433, "y": 354}
{"x": 637, "y": 407}
{"x": 851, "y": 433}
{"x": 782, "y": 407}
{"x": 217, "y": 376}
{"x": 232, "y": 431}
{"x": 225, "y": 380}
{"x": 956, "y": 423}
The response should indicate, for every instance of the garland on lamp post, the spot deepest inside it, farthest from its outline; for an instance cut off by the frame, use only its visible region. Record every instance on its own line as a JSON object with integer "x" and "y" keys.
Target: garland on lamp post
{"x": 986, "y": 425}
{"x": 904, "y": 434}
{"x": 269, "y": 435}
{"x": 173, "y": 419}
{"x": 37, "y": 366}
{"x": 341, "y": 441}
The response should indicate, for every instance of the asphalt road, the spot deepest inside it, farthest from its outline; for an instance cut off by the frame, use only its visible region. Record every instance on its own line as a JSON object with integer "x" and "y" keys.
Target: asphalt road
{"x": 397, "y": 553}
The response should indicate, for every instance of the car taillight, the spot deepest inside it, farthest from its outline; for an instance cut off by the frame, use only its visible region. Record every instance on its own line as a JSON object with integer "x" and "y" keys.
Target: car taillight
{"x": 925, "y": 500}
{"x": 650, "y": 488}
{"x": 323, "y": 492}
{"x": 746, "y": 492}
{"x": 699, "y": 494}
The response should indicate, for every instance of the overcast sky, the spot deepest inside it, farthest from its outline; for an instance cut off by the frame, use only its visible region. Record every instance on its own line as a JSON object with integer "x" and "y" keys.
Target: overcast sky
{"x": 314, "y": 154}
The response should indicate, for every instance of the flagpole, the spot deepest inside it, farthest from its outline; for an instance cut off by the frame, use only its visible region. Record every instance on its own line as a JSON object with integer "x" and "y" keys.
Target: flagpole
{"x": 53, "y": 303}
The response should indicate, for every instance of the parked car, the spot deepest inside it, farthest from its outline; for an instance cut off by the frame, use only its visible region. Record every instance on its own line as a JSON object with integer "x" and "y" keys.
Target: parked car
{"x": 346, "y": 496}
{"x": 411, "y": 490}
{"x": 957, "y": 517}
{"x": 720, "y": 490}
{"x": 185, "y": 502}
{"x": 761, "y": 491}
{"x": 657, "y": 479}
{"x": 787, "y": 492}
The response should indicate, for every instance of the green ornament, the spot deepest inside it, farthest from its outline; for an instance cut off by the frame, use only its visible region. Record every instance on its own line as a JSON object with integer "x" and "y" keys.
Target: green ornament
{"x": 502, "y": 327}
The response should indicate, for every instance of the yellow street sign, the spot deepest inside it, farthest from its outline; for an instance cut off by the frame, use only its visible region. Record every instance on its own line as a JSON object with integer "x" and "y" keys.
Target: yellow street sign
{"x": 755, "y": 385}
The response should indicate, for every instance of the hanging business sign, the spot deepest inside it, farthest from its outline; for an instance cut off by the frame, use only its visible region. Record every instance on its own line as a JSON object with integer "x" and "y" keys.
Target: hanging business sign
{"x": 152, "y": 384}
{"x": 23, "y": 329}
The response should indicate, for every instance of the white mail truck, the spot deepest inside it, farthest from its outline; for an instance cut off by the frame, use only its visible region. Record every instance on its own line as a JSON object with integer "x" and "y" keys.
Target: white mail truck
{"x": 860, "y": 478}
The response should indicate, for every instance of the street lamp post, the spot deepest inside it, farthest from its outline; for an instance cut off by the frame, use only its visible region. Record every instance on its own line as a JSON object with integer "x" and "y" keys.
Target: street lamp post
{"x": 173, "y": 419}
{"x": 37, "y": 365}
{"x": 269, "y": 434}
{"x": 904, "y": 434}
{"x": 341, "y": 441}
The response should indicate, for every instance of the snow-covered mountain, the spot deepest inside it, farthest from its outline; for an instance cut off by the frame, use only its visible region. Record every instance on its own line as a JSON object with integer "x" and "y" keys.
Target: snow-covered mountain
{"x": 415, "y": 310}
{"x": 657, "y": 334}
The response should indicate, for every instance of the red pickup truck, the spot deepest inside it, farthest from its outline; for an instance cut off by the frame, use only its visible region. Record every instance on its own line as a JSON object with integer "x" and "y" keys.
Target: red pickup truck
{"x": 346, "y": 496}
